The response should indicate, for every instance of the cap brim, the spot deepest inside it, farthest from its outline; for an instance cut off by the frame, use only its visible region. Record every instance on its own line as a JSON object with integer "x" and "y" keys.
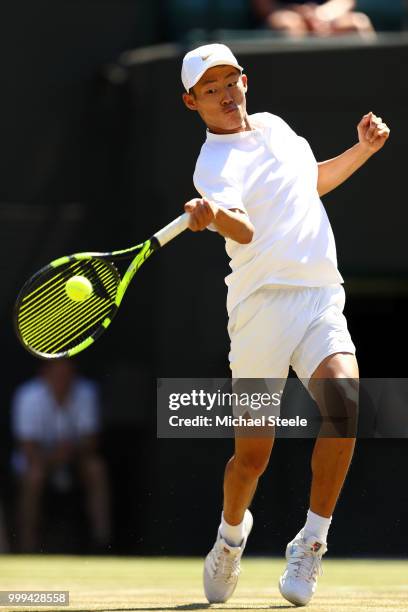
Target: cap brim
{"x": 213, "y": 64}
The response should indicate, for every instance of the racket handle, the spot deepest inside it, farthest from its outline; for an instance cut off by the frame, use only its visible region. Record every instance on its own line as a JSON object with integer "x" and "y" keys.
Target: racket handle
{"x": 172, "y": 230}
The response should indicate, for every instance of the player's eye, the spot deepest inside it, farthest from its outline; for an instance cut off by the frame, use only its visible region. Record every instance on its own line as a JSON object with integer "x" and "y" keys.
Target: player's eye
{"x": 232, "y": 83}
{"x": 210, "y": 91}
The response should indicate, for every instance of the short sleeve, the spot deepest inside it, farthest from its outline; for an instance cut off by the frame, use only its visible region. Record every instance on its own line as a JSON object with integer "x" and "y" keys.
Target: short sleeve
{"x": 220, "y": 191}
{"x": 212, "y": 185}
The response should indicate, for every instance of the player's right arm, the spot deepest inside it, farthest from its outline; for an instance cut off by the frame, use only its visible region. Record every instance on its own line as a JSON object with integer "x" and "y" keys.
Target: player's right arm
{"x": 231, "y": 223}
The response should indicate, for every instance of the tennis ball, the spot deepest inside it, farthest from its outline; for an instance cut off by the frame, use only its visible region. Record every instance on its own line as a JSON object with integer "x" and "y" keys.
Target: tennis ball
{"x": 78, "y": 288}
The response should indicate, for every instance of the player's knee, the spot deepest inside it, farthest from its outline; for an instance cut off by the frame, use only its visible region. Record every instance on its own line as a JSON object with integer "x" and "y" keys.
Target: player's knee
{"x": 337, "y": 399}
{"x": 253, "y": 465}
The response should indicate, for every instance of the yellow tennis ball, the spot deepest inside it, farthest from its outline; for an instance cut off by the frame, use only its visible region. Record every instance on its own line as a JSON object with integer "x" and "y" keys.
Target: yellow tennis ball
{"x": 78, "y": 288}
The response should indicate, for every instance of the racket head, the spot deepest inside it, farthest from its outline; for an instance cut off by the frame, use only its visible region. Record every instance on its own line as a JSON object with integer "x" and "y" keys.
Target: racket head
{"x": 51, "y": 325}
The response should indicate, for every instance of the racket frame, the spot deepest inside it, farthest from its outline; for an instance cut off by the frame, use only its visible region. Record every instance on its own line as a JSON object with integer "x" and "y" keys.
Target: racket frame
{"x": 143, "y": 252}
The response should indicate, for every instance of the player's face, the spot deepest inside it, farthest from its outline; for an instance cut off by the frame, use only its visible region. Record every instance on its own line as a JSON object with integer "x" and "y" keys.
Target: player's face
{"x": 219, "y": 98}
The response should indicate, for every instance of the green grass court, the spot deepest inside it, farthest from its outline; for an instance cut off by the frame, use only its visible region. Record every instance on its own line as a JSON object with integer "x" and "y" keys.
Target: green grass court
{"x": 150, "y": 584}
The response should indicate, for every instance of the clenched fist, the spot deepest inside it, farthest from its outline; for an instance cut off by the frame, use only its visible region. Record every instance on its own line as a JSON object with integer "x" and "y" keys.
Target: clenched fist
{"x": 372, "y": 132}
{"x": 202, "y": 213}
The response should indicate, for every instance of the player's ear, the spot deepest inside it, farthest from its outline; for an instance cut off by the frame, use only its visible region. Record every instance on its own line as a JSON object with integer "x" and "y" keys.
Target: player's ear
{"x": 244, "y": 80}
{"x": 190, "y": 101}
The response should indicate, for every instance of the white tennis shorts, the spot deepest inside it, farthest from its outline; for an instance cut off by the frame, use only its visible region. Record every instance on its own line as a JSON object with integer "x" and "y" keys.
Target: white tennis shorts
{"x": 279, "y": 326}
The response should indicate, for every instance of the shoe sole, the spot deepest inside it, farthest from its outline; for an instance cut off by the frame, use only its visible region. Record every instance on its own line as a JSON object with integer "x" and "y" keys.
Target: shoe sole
{"x": 292, "y": 601}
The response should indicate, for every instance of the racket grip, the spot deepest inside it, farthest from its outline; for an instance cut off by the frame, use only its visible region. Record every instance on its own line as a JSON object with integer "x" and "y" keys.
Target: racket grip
{"x": 172, "y": 230}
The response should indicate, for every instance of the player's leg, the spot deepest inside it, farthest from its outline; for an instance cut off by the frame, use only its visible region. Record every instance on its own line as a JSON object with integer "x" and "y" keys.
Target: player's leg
{"x": 243, "y": 470}
{"x": 260, "y": 330}
{"x": 263, "y": 334}
{"x": 242, "y": 473}
{"x": 326, "y": 363}
{"x": 334, "y": 382}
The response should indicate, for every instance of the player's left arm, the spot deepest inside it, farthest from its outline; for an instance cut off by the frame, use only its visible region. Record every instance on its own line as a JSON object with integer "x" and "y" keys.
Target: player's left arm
{"x": 372, "y": 135}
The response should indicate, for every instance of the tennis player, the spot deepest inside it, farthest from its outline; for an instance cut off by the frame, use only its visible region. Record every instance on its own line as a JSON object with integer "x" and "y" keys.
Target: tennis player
{"x": 260, "y": 188}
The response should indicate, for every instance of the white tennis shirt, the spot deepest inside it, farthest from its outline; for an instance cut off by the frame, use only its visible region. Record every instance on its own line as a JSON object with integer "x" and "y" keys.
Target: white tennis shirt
{"x": 271, "y": 174}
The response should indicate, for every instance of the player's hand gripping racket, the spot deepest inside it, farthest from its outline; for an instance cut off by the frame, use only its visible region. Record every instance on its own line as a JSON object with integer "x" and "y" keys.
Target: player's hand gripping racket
{"x": 67, "y": 305}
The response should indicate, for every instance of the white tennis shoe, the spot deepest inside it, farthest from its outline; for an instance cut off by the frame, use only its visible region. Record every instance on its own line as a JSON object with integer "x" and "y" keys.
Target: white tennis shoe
{"x": 304, "y": 556}
{"x": 222, "y": 566}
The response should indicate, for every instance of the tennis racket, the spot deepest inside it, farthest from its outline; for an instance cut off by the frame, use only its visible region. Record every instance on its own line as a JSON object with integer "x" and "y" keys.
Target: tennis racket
{"x": 51, "y": 324}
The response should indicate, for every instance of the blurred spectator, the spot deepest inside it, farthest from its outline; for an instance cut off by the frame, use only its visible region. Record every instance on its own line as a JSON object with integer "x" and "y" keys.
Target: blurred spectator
{"x": 56, "y": 423}
{"x": 320, "y": 18}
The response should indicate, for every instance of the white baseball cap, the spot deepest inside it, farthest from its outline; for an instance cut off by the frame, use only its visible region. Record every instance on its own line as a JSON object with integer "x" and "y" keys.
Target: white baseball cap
{"x": 197, "y": 61}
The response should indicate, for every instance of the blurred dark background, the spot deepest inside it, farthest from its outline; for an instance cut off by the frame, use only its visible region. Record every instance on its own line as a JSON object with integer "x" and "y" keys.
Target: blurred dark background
{"x": 97, "y": 152}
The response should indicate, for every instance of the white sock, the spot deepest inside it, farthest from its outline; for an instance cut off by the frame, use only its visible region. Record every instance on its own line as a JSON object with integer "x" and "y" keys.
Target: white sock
{"x": 316, "y": 526}
{"x": 232, "y": 534}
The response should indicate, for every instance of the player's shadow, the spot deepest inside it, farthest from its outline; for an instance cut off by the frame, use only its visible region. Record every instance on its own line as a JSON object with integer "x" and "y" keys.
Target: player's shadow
{"x": 201, "y": 606}
{"x": 192, "y": 606}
